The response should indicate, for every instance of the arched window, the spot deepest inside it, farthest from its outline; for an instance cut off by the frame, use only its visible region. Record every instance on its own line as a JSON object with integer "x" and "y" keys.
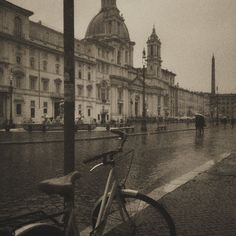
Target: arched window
{"x": 18, "y": 27}
{"x": 119, "y": 57}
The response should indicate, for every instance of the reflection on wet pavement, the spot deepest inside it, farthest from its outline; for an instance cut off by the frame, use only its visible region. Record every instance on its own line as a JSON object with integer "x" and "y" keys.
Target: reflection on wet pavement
{"x": 158, "y": 159}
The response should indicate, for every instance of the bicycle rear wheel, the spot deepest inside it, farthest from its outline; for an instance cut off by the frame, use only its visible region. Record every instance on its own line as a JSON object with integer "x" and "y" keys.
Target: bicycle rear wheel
{"x": 39, "y": 229}
{"x": 142, "y": 216}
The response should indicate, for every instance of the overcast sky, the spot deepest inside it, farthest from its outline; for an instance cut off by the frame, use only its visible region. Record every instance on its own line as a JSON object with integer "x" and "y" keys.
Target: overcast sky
{"x": 190, "y": 32}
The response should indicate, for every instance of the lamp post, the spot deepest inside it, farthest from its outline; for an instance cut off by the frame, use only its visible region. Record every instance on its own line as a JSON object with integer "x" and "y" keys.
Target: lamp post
{"x": 11, "y": 94}
{"x": 144, "y": 122}
{"x": 131, "y": 107}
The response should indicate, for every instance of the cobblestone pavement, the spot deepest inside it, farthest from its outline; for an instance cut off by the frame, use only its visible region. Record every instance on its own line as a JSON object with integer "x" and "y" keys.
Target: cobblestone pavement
{"x": 206, "y": 205}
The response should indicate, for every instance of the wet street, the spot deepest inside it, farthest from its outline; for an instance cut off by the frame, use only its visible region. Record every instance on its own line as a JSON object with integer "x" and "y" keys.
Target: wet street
{"x": 158, "y": 159}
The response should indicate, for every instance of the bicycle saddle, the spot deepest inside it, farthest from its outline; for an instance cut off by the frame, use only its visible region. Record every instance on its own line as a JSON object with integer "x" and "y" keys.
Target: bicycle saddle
{"x": 62, "y": 186}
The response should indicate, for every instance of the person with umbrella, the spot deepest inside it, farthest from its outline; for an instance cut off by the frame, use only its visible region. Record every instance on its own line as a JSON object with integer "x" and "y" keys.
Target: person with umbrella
{"x": 199, "y": 123}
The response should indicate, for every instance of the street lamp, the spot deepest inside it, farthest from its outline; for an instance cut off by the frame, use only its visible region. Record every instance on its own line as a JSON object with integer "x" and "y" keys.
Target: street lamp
{"x": 11, "y": 94}
{"x": 144, "y": 122}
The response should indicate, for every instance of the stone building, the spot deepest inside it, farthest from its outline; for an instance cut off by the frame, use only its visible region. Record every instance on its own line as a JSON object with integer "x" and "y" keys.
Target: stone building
{"x": 189, "y": 103}
{"x": 107, "y": 85}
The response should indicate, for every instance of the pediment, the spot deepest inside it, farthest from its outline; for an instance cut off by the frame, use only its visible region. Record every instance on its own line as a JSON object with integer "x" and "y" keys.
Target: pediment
{"x": 137, "y": 82}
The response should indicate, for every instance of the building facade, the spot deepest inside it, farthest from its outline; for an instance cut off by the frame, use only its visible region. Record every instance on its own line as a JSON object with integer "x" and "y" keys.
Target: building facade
{"x": 107, "y": 85}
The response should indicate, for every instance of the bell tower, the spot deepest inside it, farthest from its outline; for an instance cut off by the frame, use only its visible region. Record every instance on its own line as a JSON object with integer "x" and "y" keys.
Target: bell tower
{"x": 154, "y": 55}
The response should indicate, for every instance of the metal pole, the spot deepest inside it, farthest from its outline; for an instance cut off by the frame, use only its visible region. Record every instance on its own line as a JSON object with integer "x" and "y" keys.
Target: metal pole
{"x": 144, "y": 123}
{"x": 69, "y": 87}
{"x": 217, "y": 107}
{"x": 11, "y": 94}
{"x": 39, "y": 82}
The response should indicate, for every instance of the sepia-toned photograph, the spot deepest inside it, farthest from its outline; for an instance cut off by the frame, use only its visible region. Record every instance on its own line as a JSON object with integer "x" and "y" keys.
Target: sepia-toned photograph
{"x": 117, "y": 118}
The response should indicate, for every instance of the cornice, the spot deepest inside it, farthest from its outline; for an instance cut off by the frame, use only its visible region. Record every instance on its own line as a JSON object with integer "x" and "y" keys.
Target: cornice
{"x": 42, "y": 47}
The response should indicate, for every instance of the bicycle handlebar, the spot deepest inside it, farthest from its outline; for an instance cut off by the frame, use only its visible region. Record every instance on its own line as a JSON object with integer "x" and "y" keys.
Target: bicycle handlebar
{"x": 122, "y": 135}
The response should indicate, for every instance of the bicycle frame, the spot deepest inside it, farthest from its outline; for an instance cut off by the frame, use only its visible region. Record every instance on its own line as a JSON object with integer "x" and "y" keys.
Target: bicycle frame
{"x": 112, "y": 190}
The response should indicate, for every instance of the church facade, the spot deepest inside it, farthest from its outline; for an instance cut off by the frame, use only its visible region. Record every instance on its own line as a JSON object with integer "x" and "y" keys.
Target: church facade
{"x": 107, "y": 85}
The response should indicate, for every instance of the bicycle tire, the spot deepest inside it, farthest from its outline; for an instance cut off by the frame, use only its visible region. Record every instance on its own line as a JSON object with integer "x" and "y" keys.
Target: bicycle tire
{"x": 152, "y": 219}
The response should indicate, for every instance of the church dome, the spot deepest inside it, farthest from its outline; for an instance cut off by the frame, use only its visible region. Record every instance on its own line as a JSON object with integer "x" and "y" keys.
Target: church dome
{"x": 108, "y": 23}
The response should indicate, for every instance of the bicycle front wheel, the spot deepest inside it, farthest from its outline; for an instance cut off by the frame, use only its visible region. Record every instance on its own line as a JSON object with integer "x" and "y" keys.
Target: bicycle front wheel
{"x": 139, "y": 215}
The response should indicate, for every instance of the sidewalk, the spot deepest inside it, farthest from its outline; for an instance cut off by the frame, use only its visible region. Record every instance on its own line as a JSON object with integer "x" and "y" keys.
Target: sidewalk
{"x": 206, "y": 205}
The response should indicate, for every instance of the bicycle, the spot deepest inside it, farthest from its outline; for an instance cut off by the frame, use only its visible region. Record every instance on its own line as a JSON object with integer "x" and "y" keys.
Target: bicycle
{"x": 119, "y": 211}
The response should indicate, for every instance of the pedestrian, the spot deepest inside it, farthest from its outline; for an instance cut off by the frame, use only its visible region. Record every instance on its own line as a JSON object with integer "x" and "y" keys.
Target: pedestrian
{"x": 199, "y": 124}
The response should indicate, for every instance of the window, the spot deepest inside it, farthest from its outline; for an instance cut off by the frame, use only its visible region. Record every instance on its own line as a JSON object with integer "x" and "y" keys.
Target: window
{"x": 32, "y": 109}
{"x": 119, "y": 57}
{"x": 107, "y": 117}
{"x": 98, "y": 116}
{"x": 80, "y": 91}
{"x": 45, "y": 108}
{"x": 120, "y": 108}
{"x": 109, "y": 27}
{"x": 126, "y": 57}
{"x": 58, "y": 87}
{"x": 18, "y": 59}
{"x": 18, "y": 27}
{"x": 120, "y": 94}
{"x": 45, "y": 85}
{"x": 98, "y": 92}
{"x": 89, "y": 76}
{"x": 33, "y": 82}
{"x": 80, "y": 74}
{"x": 18, "y": 82}
{"x": 107, "y": 69}
{"x": 99, "y": 52}
{"x": 32, "y": 63}
{"x": 89, "y": 112}
{"x": 79, "y": 110}
{"x": 31, "y": 52}
{"x": 18, "y": 109}
{"x": 103, "y": 94}
{"x": 103, "y": 68}
{"x": 57, "y": 66}
{"x": 103, "y": 54}
{"x": 89, "y": 92}
{"x": 45, "y": 65}
{"x": 152, "y": 50}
